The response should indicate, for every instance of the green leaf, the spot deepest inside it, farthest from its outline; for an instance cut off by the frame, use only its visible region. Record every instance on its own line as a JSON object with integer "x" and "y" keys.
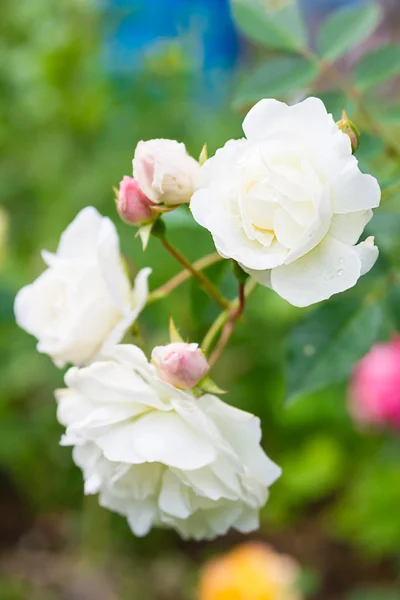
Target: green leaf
{"x": 203, "y": 154}
{"x": 347, "y": 28}
{"x": 324, "y": 347}
{"x": 179, "y": 218}
{"x": 378, "y": 66}
{"x": 275, "y": 77}
{"x": 283, "y": 29}
{"x": 209, "y": 386}
{"x": 174, "y": 334}
{"x": 334, "y": 102}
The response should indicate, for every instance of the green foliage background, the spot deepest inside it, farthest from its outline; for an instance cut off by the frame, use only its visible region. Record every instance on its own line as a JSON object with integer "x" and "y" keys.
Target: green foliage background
{"x": 67, "y": 134}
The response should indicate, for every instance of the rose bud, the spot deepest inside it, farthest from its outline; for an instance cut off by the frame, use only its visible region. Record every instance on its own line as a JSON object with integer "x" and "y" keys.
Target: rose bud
{"x": 348, "y": 127}
{"x": 133, "y": 206}
{"x": 375, "y": 386}
{"x": 165, "y": 171}
{"x": 182, "y": 365}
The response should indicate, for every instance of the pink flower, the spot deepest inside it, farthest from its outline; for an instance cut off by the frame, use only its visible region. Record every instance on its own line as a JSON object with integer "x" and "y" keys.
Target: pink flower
{"x": 182, "y": 365}
{"x": 375, "y": 386}
{"x": 133, "y": 206}
{"x": 165, "y": 171}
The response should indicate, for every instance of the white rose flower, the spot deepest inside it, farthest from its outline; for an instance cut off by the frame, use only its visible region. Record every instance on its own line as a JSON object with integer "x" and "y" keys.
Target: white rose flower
{"x": 84, "y": 300}
{"x": 159, "y": 455}
{"x": 165, "y": 171}
{"x": 289, "y": 202}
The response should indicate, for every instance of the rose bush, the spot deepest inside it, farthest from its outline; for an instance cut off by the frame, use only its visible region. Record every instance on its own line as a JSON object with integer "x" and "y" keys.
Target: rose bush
{"x": 289, "y": 203}
{"x": 84, "y": 300}
{"x": 159, "y": 455}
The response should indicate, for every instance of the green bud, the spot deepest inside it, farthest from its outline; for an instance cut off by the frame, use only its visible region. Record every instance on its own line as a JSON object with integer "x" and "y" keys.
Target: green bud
{"x": 348, "y": 127}
{"x": 238, "y": 272}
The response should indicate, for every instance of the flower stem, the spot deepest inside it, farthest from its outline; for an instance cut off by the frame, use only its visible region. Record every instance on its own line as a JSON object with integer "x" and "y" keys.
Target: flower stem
{"x": 178, "y": 279}
{"x": 225, "y": 322}
{"x": 214, "y": 330}
{"x": 222, "y": 342}
{"x": 208, "y": 286}
{"x": 229, "y": 326}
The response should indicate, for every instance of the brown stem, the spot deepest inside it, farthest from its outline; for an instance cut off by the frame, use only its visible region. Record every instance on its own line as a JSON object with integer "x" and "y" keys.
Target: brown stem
{"x": 205, "y": 282}
{"x": 181, "y": 277}
{"x": 229, "y": 326}
{"x": 222, "y": 342}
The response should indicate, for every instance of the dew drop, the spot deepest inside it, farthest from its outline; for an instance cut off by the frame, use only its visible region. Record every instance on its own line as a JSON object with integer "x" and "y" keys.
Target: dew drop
{"x": 330, "y": 275}
{"x": 341, "y": 259}
{"x": 340, "y": 272}
{"x": 309, "y": 349}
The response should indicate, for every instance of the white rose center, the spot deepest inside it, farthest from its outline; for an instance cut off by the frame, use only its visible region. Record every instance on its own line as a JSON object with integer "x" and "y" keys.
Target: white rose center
{"x": 279, "y": 204}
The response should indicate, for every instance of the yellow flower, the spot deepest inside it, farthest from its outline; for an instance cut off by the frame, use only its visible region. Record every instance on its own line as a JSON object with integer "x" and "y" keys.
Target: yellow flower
{"x": 251, "y": 571}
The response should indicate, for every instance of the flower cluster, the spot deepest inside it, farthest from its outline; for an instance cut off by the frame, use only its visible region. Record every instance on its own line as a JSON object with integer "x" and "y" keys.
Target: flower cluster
{"x": 159, "y": 455}
{"x": 287, "y": 204}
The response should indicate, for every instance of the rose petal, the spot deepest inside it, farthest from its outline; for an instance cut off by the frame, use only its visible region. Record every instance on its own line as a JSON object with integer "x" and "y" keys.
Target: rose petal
{"x": 331, "y": 267}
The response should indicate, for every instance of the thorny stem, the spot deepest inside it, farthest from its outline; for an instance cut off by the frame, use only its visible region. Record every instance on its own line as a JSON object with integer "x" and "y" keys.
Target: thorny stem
{"x": 178, "y": 279}
{"x": 226, "y": 322}
{"x": 205, "y": 282}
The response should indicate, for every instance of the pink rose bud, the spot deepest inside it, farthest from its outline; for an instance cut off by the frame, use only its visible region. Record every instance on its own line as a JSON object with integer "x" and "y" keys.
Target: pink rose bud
{"x": 375, "y": 386}
{"x": 165, "y": 171}
{"x": 133, "y": 205}
{"x": 182, "y": 365}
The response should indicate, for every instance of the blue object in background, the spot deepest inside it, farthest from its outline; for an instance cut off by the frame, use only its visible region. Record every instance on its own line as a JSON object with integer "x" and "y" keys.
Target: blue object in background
{"x": 204, "y": 28}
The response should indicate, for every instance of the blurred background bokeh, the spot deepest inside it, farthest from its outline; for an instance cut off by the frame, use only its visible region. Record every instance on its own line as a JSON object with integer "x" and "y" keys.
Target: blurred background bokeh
{"x": 81, "y": 82}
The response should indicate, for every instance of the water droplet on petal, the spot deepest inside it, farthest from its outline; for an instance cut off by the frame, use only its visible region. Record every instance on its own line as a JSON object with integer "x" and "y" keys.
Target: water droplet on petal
{"x": 330, "y": 275}
{"x": 340, "y": 272}
{"x": 341, "y": 259}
